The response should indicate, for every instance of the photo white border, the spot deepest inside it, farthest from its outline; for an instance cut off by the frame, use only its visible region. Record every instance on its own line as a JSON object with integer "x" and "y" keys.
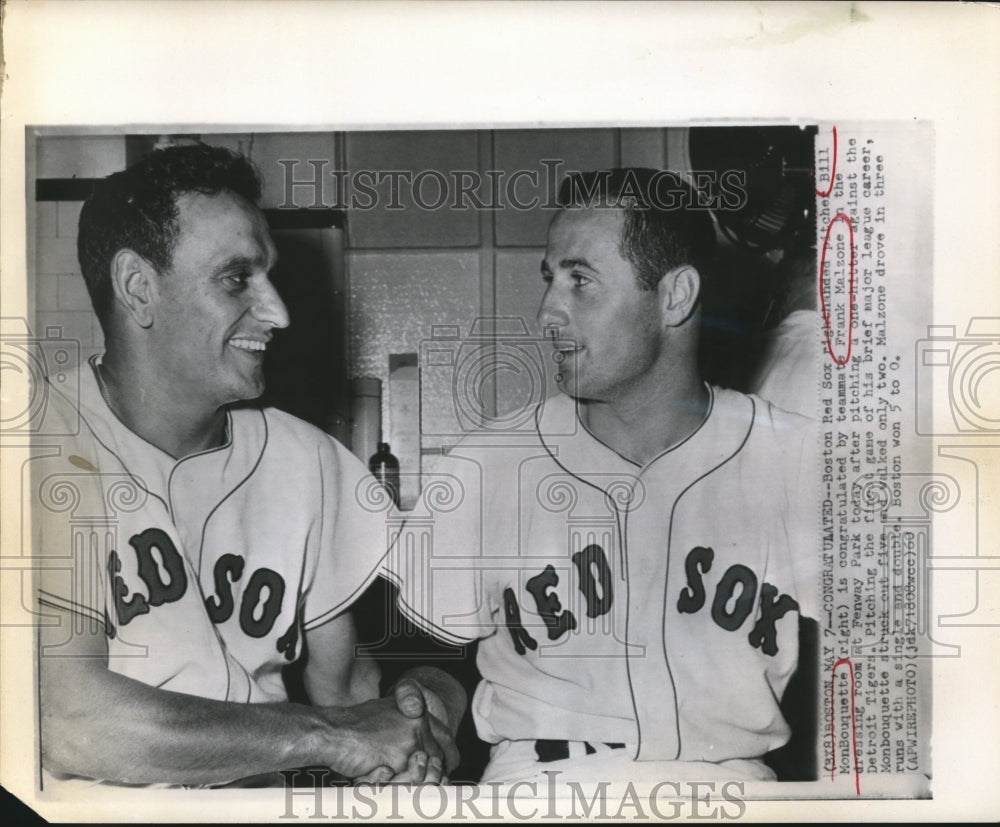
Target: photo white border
{"x": 351, "y": 65}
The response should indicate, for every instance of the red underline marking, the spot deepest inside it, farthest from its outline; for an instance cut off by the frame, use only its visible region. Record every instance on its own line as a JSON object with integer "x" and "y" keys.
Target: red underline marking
{"x": 854, "y": 725}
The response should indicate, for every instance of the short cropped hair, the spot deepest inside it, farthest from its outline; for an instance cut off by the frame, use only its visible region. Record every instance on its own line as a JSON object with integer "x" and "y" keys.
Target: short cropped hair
{"x": 137, "y": 209}
{"x": 665, "y": 224}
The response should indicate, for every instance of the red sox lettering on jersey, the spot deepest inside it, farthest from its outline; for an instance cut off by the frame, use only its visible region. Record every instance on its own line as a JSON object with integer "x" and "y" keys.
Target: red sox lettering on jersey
{"x": 736, "y": 588}
{"x": 260, "y": 605}
{"x": 205, "y": 573}
{"x": 652, "y": 605}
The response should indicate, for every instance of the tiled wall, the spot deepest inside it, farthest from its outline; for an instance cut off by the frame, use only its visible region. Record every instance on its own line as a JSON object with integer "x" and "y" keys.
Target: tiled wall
{"x": 61, "y": 298}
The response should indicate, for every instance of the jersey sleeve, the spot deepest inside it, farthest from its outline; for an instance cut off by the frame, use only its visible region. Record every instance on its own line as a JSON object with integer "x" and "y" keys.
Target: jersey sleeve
{"x": 72, "y": 536}
{"x": 357, "y": 525}
{"x": 439, "y": 562}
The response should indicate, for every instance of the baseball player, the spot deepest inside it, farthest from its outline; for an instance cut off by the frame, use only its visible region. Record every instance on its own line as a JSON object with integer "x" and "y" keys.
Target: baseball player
{"x": 635, "y": 564}
{"x": 191, "y": 548}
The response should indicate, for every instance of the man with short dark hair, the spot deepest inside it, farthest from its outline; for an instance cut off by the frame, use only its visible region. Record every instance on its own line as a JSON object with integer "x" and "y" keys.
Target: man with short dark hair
{"x": 226, "y": 539}
{"x": 634, "y": 564}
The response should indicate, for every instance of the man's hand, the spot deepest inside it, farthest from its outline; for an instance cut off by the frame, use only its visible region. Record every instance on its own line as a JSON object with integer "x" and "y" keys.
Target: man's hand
{"x": 419, "y": 770}
{"x": 416, "y": 701}
{"x": 376, "y": 734}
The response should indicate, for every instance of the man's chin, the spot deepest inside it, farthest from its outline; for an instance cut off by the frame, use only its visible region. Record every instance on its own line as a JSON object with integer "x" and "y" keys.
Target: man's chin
{"x": 568, "y": 385}
{"x": 579, "y": 391}
{"x": 247, "y": 394}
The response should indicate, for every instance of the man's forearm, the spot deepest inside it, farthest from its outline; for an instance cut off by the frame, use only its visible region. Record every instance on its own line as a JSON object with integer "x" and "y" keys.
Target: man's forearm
{"x": 103, "y": 725}
{"x": 111, "y": 727}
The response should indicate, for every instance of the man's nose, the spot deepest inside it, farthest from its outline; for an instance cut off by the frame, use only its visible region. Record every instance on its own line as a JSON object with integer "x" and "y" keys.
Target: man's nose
{"x": 268, "y": 306}
{"x": 551, "y": 313}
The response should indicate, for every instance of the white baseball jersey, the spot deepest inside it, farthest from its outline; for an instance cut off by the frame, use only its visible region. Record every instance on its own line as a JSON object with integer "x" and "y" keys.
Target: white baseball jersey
{"x": 653, "y": 606}
{"x": 205, "y": 571}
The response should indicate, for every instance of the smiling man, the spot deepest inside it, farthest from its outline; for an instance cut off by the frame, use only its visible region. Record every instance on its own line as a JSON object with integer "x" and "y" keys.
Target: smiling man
{"x": 635, "y": 566}
{"x": 225, "y": 540}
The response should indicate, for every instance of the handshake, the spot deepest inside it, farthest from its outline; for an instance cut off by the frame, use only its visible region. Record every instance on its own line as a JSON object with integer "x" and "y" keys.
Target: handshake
{"x": 407, "y": 737}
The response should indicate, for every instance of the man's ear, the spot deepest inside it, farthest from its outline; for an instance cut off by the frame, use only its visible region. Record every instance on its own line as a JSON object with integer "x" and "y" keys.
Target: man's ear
{"x": 132, "y": 281}
{"x": 679, "y": 290}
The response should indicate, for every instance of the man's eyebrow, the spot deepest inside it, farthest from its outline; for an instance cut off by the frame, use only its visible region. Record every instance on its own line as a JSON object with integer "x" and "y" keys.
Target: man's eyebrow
{"x": 567, "y": 264}
{"x": 247, "y": 263}
{"x": 570, "y": 263}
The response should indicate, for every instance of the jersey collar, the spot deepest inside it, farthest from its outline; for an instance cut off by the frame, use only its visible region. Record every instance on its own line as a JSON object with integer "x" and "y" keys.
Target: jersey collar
{"x": 720, "y": 437}
{"x": 152, "y": 467}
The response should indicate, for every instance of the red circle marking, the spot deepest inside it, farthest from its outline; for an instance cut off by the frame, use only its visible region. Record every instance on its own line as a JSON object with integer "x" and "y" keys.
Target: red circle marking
{"x": 833, "y": 171}
{"x": 850, "y": 291}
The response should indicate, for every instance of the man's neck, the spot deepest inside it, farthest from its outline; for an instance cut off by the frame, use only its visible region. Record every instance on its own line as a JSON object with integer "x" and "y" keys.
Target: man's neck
{"x": 644, "y": 424}
{"x": 164, "y": 419}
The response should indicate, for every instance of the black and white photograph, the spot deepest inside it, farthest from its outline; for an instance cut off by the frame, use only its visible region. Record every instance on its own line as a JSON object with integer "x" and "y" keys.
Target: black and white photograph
{"x": 466, "y": 319}
{"x": 371, "y": 465}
